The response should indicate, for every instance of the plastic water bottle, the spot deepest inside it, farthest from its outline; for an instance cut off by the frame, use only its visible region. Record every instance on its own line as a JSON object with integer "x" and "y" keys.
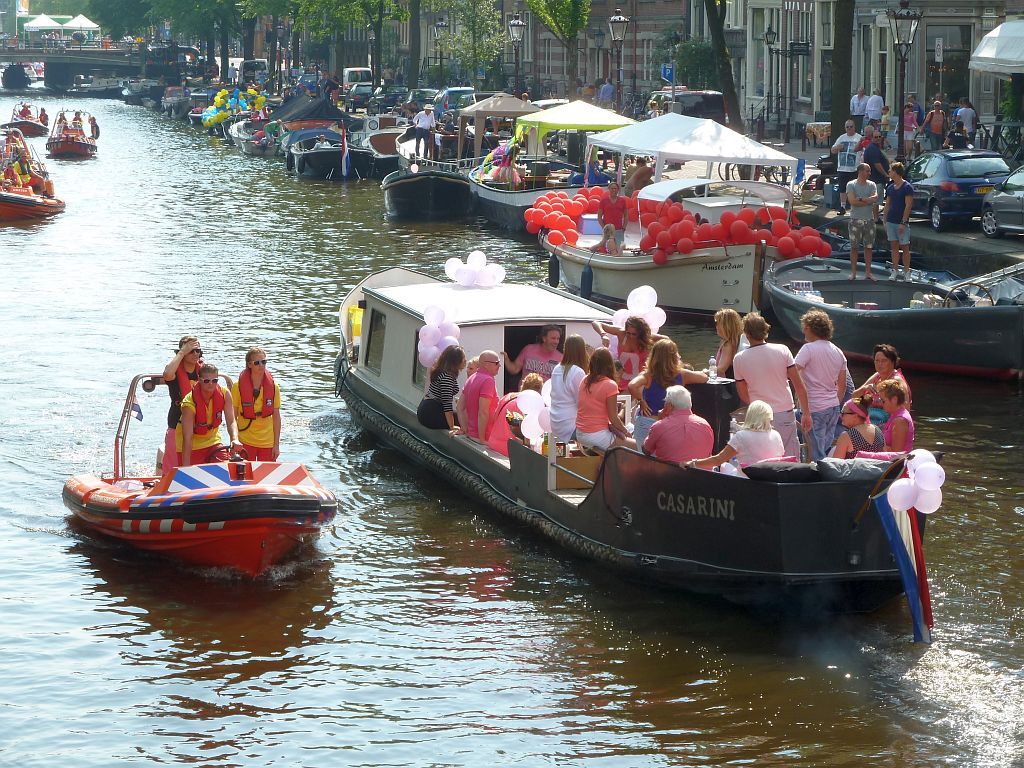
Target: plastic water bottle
{"x": 712, "y": 368}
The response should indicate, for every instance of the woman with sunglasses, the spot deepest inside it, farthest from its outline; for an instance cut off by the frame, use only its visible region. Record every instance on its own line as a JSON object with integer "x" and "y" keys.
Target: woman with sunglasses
{"x": 256, "y": 398}
{"x": 180, "y": 375}
{"x": 197, "y": 435}
{"x": 635, "y": 340}
{"x": 859, "y": 434}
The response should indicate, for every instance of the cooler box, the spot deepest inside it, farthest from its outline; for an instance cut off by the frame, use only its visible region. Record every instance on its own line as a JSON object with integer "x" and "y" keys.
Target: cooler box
{"x": 589, "y": 224}
{"x": 540, "y": 168}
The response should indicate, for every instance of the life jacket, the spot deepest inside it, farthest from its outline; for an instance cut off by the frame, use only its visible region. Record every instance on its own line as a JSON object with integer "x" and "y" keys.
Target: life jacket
{"x": 245, "y": 390}
{"x": 185, "y": 384}
{"x": 201, "y": 426}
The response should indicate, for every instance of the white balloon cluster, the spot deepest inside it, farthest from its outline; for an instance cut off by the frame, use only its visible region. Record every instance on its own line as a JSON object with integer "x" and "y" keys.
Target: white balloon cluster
{"x": 922, "y": 490}
{"x": 475, "y": 272}
{"x": 437, "y": 334}
{"x": 536, "y": 408}
{"x": 641, "y": 302}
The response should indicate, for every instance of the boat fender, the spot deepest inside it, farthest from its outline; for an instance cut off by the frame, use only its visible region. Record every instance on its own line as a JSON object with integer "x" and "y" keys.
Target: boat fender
{"x": 300, "y": 164}
{"x": 289, "y": 161}
{"x": 373, "y": 124}
{"x": 587, "y": 282}
{"x": 553, "y": 275}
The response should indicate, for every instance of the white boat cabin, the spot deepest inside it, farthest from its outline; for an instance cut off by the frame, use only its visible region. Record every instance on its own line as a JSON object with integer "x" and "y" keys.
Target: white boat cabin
{"x": 384, "y": 313}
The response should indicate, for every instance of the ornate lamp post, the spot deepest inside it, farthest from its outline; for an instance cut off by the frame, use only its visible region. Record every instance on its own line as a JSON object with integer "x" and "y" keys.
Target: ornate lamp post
{"x": 617, "y": 25}
{"x": 770, "y": 38}
{"x": 440, "y": 28}
{"x": 903, "y": 24}
{"x": 279, "y": 64}
{"x": 516, "y": 30}
{"x": 371, "y": 38}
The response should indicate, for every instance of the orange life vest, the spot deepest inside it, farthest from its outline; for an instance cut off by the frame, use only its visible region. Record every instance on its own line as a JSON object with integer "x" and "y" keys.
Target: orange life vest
{"x": 185, "y": 384}
{"x": 248, "y": 398}
{"x": 201, "y": 426}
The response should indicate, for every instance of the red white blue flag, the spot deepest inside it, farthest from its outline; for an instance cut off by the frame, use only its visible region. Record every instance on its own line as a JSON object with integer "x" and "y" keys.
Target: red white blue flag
{"x": 905, "y": 540}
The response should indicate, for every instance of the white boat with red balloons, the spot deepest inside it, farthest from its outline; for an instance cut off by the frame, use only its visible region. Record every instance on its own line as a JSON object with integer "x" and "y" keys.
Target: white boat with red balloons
{"x": 704, "y": 243}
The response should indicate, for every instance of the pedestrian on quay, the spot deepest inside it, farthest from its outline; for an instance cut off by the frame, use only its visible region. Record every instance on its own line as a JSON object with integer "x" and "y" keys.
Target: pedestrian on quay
{"x": 606, "y": 96}
{"x": 899, "y": 197}
{"x": 859, "y": 107}
{"x": 879, "y": 164}
{"x": 873, "y": 109}
{"x": 968, "y": 115}
{"x": 845, "y": 149}
{"x": 935, "y": 126}
{"x": 911, "y": 125}
{"x": 862, "y": 194}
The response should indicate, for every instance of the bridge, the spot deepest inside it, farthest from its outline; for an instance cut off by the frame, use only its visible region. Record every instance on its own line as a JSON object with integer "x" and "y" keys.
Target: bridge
{"x": 62, "y": 64}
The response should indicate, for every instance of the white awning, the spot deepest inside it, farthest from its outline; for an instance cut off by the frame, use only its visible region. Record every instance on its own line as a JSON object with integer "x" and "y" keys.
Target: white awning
{"x": 42, "y": 23}
{"x": 1001, "y": 51}
{"x": 80, "y": 22}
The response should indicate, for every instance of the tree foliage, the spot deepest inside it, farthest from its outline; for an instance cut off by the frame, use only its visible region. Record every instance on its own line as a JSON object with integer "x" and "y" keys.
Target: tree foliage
{"x": 476, "y": 35}
{"x": 566, "y": 19}
{"x": 693, "y": 59}
{"x": 119, "y": 17}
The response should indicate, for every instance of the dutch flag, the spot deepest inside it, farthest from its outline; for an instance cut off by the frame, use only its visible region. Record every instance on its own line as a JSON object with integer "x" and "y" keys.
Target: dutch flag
{"x": 136, "y": 409}
{"x": 905, "y": 540}
{"x": 345, "y": 162}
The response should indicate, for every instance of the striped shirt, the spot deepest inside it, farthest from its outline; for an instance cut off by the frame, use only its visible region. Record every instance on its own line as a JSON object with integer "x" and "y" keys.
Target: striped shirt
{"x": 443, "y": 388}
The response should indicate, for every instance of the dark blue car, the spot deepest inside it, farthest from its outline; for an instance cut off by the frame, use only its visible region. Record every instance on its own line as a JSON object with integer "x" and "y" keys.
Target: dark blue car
{"x": 951, "y": 183}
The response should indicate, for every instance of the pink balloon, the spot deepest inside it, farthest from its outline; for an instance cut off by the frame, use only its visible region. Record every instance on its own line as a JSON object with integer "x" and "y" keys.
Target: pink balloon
{"x": 447, "y": 328}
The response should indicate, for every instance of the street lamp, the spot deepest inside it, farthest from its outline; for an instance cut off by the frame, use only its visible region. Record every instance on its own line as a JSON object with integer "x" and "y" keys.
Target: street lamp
{"x": 279, "y": 63}
{"x": 617, "y": 26}
{"x": 903, "y": 24}
{"x": 440, "y": 28}
{"x": 770, "y": 38}
{"x": 371, "y": 38}
{"x": 516, "y": 30}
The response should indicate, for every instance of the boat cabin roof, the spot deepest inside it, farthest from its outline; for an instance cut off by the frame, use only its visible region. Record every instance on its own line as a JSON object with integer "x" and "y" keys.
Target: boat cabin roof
{"x": 769, "y": 193}
{"x": 503, "y": 303}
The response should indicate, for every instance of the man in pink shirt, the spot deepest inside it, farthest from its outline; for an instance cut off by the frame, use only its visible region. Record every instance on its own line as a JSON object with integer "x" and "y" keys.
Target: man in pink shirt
{"x": 480, "y": 397}
{"x": 822, "y": 367}
{"x": 764, "y": 372}
{"x": 679, "y": 434}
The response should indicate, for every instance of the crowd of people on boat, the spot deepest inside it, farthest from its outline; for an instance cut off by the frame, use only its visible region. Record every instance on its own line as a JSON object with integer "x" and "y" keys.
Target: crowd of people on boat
{"x": 250, "y": 409}
{"x": 634, "y": 392}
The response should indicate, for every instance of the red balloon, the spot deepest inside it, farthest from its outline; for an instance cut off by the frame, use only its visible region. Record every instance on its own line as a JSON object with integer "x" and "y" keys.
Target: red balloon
{"x": 664, "y": 219}
{"x": 780, "y": 228}
{"x": 786, "y": 246}
{"x": 687, "y": 228}
{"x": 571, "y": 236}
{"x": 532, "y": 227}
{"x": 728, "y": 217}
{"x": 646, "y": 219}
{"x": 685, "y": 245}
{"x": 544, "y": 205}
{"x": 718, "y": 233}
{"x": 633, "y": 214}
{"x": 528, "y": 215}
{"x": 809, "y": 232}
{"x": 704, "y": 231}
{"x": 646, "y": 243}
{"x": 593, "y": 205}
{"x": 596, "y": 192}
{"x": 764, "y": 215}
{"x": 739, "y": 230}
{"x": 675, "y": 213}
{"x": 555, "y": 237}
{"x": 660, "y": 257}
{"x": 655, "y": 229}
{"x": 747, "y": 215}
{"x": 663, "y": 239}
{"x": 794, "y": 220}
{"x": 808, "y": 245}
{"x": 551, "y": 220}
{"x": 824, "y": 249}
{"x": 565, "y": 223}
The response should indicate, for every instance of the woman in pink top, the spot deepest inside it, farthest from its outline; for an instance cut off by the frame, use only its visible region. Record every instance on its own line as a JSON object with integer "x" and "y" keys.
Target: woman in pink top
{"x": 635, "y": 342}
{"x": 910, "y": 128}
{"x": 899, "y": 429}
{"x": 598, "y": 424}
{"x": 886, "y": 360}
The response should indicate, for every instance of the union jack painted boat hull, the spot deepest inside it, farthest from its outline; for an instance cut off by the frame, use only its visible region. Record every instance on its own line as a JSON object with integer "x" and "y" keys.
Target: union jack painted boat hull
{"x": 242, "y": 515}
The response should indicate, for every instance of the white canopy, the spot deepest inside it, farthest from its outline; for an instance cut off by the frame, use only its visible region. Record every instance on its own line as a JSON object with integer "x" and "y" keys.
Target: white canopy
{"x": 674, "y": 138}
{"x": 769, "y": 193}
{"x": 42, "y": 24}
{"x": 80, "y": 22}
{"x": 1001, "y": 51}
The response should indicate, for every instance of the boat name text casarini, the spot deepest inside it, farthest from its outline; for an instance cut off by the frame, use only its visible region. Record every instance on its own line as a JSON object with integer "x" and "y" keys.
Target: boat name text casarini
{"x": 696, "y": 505}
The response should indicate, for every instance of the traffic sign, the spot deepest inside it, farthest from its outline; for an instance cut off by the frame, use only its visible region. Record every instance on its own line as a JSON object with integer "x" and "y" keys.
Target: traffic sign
{"x": 668, "y": 72}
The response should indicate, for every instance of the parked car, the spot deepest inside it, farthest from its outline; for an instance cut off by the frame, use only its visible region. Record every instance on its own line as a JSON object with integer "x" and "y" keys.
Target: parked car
{"x": 709, "y": 105}
{"x": 352, "y": 75}
{"x": 358, "y": 96}
{"x": 447, "y": 98}
{"x": 469, "y": 99}
{"x": 308, "y": 81}
{"x": 1002, "y": 209}
{"x": 386, "y": 98}
{"x": 951, "y": 183}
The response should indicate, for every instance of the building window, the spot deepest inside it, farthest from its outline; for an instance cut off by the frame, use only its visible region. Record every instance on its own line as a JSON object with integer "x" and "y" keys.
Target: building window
{"x": 805, "y": 86}
{"x": 952, "y": 76}
{"x": 375, "y": 341}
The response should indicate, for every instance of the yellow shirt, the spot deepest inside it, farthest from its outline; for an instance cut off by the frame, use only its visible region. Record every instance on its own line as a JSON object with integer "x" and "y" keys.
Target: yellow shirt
{"x": 259, "y": 433}
{"x": 211, "y": 438}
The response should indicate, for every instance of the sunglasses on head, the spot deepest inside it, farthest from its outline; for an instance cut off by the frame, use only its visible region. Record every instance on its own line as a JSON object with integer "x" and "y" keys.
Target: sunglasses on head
{"x": 209, "y": 381}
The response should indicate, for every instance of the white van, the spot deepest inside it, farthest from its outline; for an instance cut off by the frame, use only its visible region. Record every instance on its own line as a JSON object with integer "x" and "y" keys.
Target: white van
{"x": 254, "y": 70}
{"x": 352, "y": 75}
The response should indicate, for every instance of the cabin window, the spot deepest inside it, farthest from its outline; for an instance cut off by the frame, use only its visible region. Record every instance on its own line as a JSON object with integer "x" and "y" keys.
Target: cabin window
{"x": 375, "y": 341}
{"x": 517, "y": 337}
{"x": 419, "y": 371}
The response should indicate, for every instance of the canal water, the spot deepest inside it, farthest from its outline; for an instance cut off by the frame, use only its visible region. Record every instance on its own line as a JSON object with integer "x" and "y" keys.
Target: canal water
{"x": 422, "y": 629}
